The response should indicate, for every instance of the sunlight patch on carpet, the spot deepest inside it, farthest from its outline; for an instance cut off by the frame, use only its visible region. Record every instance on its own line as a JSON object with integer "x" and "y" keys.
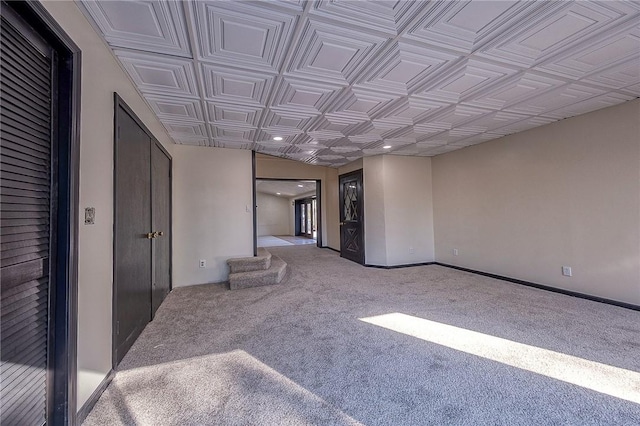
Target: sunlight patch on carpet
{"x": 603, "y": 378}
{"x": 226, "y": 388}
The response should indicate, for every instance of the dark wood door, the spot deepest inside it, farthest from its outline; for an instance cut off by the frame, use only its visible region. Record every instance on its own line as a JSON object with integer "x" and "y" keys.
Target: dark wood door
{"x": 161, "y": 217}
{"x": 28, "y": 226}
{"x": 132, "y": 254}
{"x": 352, "y": 217}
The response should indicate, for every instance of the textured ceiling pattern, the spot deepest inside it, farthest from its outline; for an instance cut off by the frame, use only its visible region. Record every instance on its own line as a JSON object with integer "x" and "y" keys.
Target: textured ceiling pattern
{"x": 341, "y": 79}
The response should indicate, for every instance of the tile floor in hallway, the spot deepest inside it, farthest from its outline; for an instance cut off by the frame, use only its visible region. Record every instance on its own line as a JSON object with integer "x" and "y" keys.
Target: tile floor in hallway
{"x": 283, "y": 240}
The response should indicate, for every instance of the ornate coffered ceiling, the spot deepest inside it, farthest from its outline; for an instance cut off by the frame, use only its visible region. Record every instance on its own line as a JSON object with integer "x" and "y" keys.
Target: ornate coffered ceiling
{"x": 341, "y": 79}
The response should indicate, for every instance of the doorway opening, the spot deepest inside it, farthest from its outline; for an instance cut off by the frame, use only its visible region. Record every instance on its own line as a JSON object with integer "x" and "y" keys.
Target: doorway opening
{"x": 287, "y": 212}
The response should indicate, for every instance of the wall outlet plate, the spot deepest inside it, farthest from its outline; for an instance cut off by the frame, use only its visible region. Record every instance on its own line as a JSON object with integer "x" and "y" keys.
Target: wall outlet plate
{"x": 90, "y": 216}
{"x": 566, "y": 271}
{"x": 203, "y": 263}
{"x": 455, "y": 252}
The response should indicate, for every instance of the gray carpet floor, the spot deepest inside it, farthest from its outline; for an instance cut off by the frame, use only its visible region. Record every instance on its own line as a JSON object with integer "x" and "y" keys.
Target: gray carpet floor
{"x": 300, "y": 353}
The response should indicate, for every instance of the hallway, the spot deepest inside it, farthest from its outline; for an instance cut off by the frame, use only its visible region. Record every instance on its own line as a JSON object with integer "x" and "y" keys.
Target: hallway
{"x": 283, "y": 240}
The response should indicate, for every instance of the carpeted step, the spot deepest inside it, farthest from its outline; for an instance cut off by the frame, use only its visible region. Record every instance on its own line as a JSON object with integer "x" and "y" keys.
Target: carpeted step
{"x": 273, "y": 275}
{"x": 255, "y": 263}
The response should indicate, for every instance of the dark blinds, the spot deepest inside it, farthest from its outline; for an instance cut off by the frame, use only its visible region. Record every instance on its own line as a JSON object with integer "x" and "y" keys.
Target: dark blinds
{"x": 25, "y": 187}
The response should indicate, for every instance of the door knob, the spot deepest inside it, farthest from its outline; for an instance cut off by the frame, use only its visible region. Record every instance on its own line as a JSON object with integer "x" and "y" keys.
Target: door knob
{"x": 160, "y": 234}
{"x": 341, "y": 223}
{"x": 151, "y": 235}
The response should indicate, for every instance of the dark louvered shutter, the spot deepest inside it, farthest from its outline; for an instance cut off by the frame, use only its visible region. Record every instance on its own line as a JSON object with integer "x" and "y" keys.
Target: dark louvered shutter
{"x": 25, "y": 188}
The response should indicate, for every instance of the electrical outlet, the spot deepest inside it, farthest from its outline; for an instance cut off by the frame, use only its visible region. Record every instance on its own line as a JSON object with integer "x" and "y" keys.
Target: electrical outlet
{"x": 90, "y": 216}
{"x": 455, "y": 252}
{"x": 566, "y": 271}
{"x": 203, "y": 263}
{"x": 410, "y": 249}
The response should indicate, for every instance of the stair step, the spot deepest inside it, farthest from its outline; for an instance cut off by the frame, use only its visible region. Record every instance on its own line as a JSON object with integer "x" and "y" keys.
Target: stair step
{"x": 273, "y": 275}
{"x": 261, "y": 262}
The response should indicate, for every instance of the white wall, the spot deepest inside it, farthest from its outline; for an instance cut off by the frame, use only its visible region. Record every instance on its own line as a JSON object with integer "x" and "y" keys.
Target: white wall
{"x": 212, "y": 212}
{"x": 408, "y": 209}
{"x": 375, "y": 234}
{"x": 398, "y": 210}
{"x": 563, "y": 194}
{"x": 273, "y": 216}
{"x": 101, "y": 76}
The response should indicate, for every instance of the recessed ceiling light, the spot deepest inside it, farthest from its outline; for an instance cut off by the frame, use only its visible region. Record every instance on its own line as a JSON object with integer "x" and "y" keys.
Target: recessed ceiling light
{"x": 387, "y": 146}
{"x": 300, "y": 186}
{"x": 277, "y": 138}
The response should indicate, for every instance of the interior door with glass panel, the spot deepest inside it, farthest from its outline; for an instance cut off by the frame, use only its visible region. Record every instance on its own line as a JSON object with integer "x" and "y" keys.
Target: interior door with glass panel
{"x": 352, "y": 217}
{"x": 306, "y": 217}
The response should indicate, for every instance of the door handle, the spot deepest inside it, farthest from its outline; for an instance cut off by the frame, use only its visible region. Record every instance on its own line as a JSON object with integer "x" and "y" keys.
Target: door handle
{"x": 160, "y": 234}
{"x": 341, "y": 223}
{"x": 155, "y": 234}
{"x": 151, "y": 235}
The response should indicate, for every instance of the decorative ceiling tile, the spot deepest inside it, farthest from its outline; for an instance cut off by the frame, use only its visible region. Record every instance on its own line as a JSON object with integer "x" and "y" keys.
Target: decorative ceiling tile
{"x": 185, "y": 130}
{"x": 607, "y": 50}
{"x": 287, "y": 133}
{"x": 408, "y": 150}
{"x": 229, "y": 85}
{"x": 150, "y": 26}
{"x": 466, "y": 26}
{"x": 243, "y": 34}
{"x": 345, "y": 149}
{"x": 402, "y": 68}
{"x": 553, "y": 29}
{"x": 456, "y": 116}
{"x": 617, "y": 77}
{"x": 583, "y": 107}
{"x": 325, "y": 135}
{"x": 376, "y": 151}
{"x": 191, "y": 141}
{"x": 633, "y": 90}
{"x": 174, "y": 108}
{"x": 304, "y": 95}
{"x": 287, "y": 119}
{"x": 332, "y": 55}
{"x": 430, "y": 144}
{"x": 365, "y": 138}
{"x": 383, "y": 17}
{"x": 465, "y": 79}
{"x": 492, "y": 121}
{"x": 555, "y": 99}
{"x": 408, "y": 111}
{"x": 523, "y": 125}
{"x": 340, "y": 79}
{"x": 233, "y": 144}
{"x": 160, "y": 74}
{"x": 314, "y": 147}
{"x": 514, "y": 90}
{"x": 233, "y": 114}
{"x": 231, "y": 133}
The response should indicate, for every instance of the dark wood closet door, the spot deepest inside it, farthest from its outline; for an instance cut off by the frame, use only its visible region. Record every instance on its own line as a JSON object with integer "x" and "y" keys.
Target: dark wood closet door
{"x": 352, "y": 217}
{"x": 132, "y": 257}
{"x": 161, "y": 216}
{"x": 27, "y": 230}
